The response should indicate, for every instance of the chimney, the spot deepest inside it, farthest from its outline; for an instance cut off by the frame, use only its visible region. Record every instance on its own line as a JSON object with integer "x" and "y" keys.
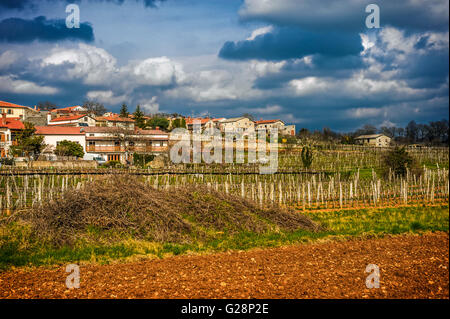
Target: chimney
{"x": 49, "y": 118}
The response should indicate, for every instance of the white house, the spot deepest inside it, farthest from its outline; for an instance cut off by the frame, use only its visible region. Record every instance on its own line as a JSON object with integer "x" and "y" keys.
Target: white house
{"x": 73, "y": 120}
{"x": 236, "y": 123}
{"x": 269, "y": 124}
{"x": 378, "y": 140}
{"x": 55, "y": 134}
{"x": 118, "y": 144}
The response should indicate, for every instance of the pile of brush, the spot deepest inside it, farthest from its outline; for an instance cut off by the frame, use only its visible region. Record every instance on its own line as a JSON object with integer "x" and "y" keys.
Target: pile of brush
{"x": 126, "y": 207}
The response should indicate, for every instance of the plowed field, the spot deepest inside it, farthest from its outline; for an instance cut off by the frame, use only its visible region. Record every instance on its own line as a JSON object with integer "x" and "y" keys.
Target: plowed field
{"x": 411, "y": 266}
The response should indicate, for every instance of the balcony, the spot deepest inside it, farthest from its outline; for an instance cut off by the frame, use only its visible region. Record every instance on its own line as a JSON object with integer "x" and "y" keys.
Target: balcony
{"x": 104, "y": 149}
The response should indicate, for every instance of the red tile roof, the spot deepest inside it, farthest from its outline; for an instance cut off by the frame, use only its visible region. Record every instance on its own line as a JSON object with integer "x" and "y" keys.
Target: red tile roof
{"x": 58, "y": 130}
{"x": 267, "y": 121}
{"x": 69, "y": 108}
{"x": 68, "y": 118}
{"x": 197, "y": 121}
{"x": 11, "y": 123}
{"x": 152, "y": 132}
{"x": 7, "y": 104}
{"x": 113, "y": 118}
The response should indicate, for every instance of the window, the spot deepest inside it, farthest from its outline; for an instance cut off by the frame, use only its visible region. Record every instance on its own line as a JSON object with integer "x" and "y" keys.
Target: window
{"x": 91, "y": 143}
{"x": 10, "y": 112}
{"x": 114, "y": 157}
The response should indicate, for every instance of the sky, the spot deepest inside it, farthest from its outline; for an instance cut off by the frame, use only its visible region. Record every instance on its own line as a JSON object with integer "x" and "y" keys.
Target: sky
{"x": 311, "y": 63}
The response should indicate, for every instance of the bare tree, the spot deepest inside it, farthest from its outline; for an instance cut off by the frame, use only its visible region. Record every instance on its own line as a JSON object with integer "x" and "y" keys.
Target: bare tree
{"x": 95, "y": 107}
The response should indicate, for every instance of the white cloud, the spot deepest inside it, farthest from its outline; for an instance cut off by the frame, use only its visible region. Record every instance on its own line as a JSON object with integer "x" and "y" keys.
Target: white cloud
{"x": 269, "y": 109}
{"x": 260, "y": 31}
{"x": 93, "y": 65}
{"x": 8, "y": 58}
{"x": 358, "y": 86}
{"x": 150, "y": 106}
{"x": 364, "y": 112}
{"x": 10, "y": 85}
{"x": 309, "y": 85}
{"x": 263, "y": 68}
{"x": 157, "y": 71}
{"x": 106, "y": 97}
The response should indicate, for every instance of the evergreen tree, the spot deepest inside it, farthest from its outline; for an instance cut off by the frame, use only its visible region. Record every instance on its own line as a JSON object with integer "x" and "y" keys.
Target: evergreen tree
{"x": 124, "y": 111}
{"x": 139, "y": 117}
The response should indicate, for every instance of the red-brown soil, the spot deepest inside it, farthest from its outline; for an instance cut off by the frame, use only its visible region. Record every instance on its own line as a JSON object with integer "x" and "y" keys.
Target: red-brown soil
{"x": 411, "y": 266}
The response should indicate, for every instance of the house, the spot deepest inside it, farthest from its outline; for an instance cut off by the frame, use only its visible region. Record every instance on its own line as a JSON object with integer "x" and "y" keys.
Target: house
{"x": 269, "y": 124}
{"x": 114, "y": 120}
{"x": 217, "y": 122}
{"x": 288, "y": 130}
{"x": 55, "y": 134}
{"x": 72, "y": 110}
{"x": 118, "y": 144}
{"x": 9, "y": 127}
{"x": 234, "y": 124}
{"x": 73, "y": 120}
{"x": 205, "y": 123}
{"x": 16, "y": 111}
{"x": 283, "y": 129}
{"x": 378, "y": 140}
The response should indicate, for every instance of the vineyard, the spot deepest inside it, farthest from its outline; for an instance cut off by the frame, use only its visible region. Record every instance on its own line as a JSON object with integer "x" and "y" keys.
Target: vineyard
{"x": 211, "y": 215}
{"x": 338, "y": 179}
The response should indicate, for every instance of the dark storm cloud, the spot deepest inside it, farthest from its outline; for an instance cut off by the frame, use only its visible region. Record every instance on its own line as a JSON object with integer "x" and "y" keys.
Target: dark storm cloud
{"x": 22, "y": 30}
{"x": 287, "y": 43}
{"x": 337, "y": 67}
{"x": 427, "y": 71}
{"x": 14, "y": 4}
{"x": 349, "y": 15}
{"x": 23, "y": 4}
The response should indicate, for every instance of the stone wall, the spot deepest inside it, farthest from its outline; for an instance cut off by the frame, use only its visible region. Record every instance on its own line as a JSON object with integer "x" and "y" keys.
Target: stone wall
{"x": 58, "y": 164}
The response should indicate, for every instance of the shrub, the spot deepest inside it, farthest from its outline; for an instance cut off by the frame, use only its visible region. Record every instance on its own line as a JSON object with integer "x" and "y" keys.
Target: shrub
{"x": 399, "y": 161}
{"x": 69, "y": 148}
{"x": 307, "y": 157}
{"x": 114, "y": 164}
{"x": 7, "y": 161}
{"x": 142, "y": 159}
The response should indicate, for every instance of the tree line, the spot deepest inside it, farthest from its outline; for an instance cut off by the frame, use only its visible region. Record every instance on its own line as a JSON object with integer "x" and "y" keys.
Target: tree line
{"x": 433, "y": 133}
